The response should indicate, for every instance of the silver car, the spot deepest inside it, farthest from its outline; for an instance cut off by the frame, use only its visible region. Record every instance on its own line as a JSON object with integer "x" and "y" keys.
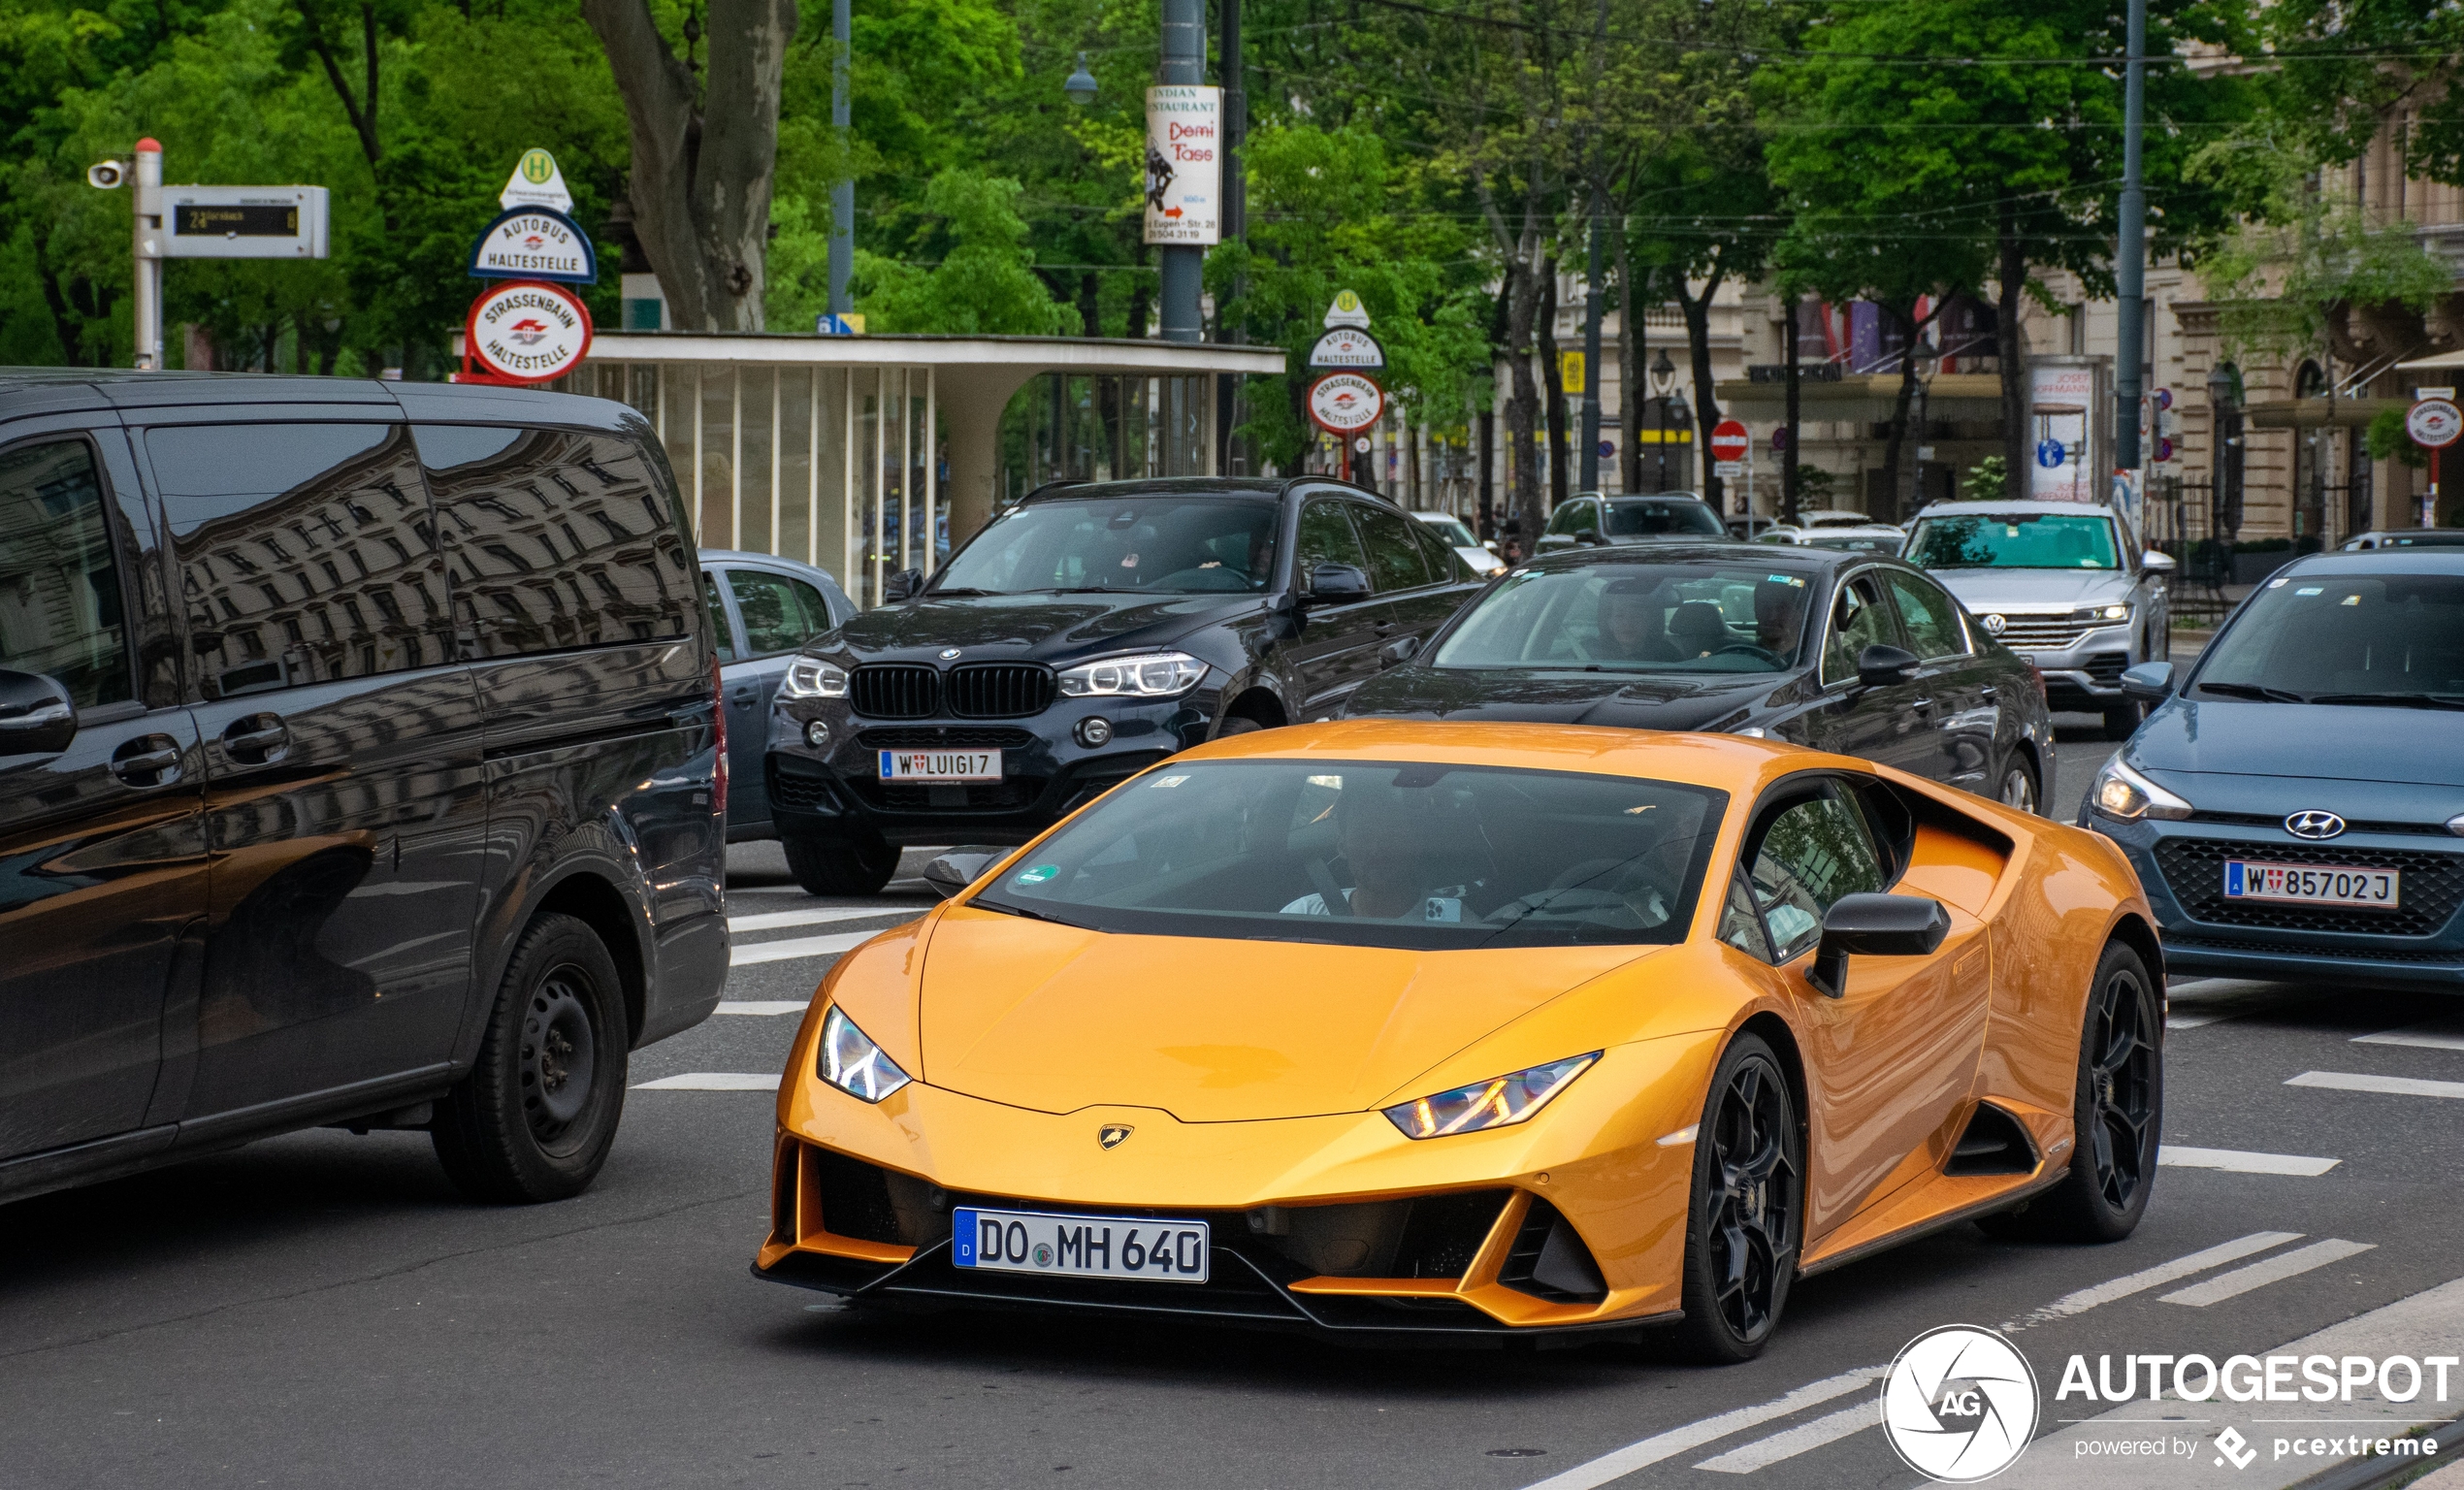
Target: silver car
{"x": 2063, "y": 584}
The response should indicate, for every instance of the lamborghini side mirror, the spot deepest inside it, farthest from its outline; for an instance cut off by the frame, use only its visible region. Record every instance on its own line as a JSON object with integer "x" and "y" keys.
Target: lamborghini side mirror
{"x": 1874, "y": 926}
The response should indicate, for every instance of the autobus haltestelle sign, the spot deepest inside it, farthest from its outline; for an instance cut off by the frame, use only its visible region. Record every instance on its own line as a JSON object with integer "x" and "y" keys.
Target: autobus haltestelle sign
{"x": 528, "y": 332}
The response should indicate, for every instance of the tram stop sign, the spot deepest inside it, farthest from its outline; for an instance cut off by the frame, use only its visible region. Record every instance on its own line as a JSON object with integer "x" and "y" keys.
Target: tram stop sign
{"x": 2433, "y": 423}
{"x": 1729, "y": 440}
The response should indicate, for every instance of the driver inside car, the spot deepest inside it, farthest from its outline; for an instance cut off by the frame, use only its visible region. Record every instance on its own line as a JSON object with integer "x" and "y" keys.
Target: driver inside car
{"x": 1630, "y": 625}
{"x": 1390, "y": 840}
{"x": 1779, "y": 614}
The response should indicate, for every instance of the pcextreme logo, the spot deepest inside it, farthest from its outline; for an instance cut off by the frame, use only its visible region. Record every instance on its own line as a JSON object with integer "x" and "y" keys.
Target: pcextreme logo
{"x": 1960, "y": 1403}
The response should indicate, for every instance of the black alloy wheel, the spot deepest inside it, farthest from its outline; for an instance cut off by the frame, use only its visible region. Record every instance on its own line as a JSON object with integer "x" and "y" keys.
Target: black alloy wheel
{"x": 2117, "y": 1113}
{"x": 1748, "y": 1206}
{"x": 2019, "y": 786}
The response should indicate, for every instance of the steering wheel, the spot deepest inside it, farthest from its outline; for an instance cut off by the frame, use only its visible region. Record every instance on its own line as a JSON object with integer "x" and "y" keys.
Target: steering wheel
{"x": 1750, "y": 649}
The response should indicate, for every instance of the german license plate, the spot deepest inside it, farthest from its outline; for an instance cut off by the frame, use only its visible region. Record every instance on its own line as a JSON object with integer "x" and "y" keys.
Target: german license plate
{"x": 941, "y": 765}
{"x": 2310, "y": 884}
{"x": 1079, "y": 1245}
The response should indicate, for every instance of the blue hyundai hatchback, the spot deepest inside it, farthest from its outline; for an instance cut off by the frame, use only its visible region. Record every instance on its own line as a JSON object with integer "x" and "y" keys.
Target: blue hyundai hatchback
{"x": 2296, "y": 805}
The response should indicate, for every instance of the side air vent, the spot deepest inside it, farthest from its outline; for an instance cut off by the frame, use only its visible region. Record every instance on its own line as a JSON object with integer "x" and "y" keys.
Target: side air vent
{"x": 1994, "y": 1144}
{"x": 1549, "y": 1260}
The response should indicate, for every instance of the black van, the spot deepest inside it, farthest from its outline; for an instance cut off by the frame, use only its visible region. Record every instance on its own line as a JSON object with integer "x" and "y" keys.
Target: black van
{"x": 360, "y": 765}
{"x": 1081, "y": 636}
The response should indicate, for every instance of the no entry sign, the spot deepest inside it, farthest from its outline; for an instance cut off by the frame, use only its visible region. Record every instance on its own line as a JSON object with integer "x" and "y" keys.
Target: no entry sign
{"x": 1729, "y": 440}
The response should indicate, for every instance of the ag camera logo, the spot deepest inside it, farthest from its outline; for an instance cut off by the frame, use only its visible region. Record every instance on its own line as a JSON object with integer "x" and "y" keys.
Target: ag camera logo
{"x": 1960, "y": 1405}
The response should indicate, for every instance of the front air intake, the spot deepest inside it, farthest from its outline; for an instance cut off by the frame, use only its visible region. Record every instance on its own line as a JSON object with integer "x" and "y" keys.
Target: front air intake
{"x": 1549, "y": 1260}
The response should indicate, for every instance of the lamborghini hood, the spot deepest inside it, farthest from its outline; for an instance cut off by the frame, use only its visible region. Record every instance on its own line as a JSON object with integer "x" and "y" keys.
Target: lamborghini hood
{"x": 1053, "y": 1019}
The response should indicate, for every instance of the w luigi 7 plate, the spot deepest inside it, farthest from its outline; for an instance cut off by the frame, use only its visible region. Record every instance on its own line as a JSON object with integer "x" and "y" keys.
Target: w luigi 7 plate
{"x": 2312, "y": 884}
{"x": 1079, "y": 1245}
{"x": 941, "y": 765}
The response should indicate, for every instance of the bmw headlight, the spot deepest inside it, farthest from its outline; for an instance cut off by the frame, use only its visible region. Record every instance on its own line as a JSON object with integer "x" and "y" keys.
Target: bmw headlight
{"x": 809, "y": 677}
{"x": 1148, "y": 675}
{"x": 1497, "y": 1103}
{"x": 2119, "y": 792}
{"x": 850, "y": 1061}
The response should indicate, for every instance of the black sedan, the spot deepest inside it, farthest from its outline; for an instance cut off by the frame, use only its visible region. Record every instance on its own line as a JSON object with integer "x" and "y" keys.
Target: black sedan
{"x": 1860, "y": 654}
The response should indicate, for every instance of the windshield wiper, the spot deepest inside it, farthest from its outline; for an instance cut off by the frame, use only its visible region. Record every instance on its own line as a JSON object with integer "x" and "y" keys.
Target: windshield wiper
{"x": 2396, "y": 700}
{"x": 954, "y": 590}
{"x": 1007, "y": 909}
{"x": 2253, "y": 691}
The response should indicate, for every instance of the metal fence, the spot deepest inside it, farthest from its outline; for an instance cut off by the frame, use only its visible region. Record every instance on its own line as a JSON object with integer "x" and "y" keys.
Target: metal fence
{"x": 2184, "y": 519}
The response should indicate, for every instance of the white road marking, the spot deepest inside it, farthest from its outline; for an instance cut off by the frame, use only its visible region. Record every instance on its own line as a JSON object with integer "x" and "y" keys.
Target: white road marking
{"x": 1802, "y": 1438}
{"x": 1616, "y": 1464}
{"x": 793, "y": 948}
{"x": 2181, "y": 1156}
{"x": 712, "y": 1080}
{"x": 778, "y": 1006}
{"x": 2437, "y": 1035}
{"x": 2275, "y": 1269}
{"x": 2157, "y": 1276}
{"x": 2393, "y": 1085}
{"x": 772, "y": 921}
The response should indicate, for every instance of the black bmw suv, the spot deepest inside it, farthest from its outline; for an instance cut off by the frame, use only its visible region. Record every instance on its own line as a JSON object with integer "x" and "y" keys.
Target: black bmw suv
{"x": 1081, "y": 636}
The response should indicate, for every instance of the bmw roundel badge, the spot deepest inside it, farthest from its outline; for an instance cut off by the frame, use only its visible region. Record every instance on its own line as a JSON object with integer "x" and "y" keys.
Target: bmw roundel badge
{"x": 946, "y": 653}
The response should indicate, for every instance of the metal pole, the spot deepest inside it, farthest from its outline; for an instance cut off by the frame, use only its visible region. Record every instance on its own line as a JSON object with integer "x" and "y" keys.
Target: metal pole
{"x": 1236, "y": 217}
{"x": 1787, "y": 452}
{"x": 147, "y": 202}
{"x": 1592, "y": 380}
{"x": 842, "y": 192}
{"x": 2131, "y": 252}
{"x": 1184, "y": 62}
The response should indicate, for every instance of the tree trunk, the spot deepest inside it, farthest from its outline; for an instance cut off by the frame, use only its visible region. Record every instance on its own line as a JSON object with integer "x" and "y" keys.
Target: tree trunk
{"x": 1889, "y": 497}
{"x": 1788, "y": 456}
{"x": 1630, "y": 366}
{"x": 1522, "y": 410}
{"x": 1707, "y": 401}
{"x": 700, "y": 182}
{"x": 1553, "y": 374}
{"x": 1090, "y": 306}
{"x": 2010, "y": 355}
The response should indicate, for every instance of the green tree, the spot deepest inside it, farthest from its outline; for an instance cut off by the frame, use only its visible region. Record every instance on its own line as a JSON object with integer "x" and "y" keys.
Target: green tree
{"x": 983, "y": 283}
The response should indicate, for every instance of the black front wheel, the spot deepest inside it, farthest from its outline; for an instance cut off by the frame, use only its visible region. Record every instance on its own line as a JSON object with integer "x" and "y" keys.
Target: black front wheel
{"x": 840, "y": 866}
{"x": 2117, "y": 1111}
{"x": 535, "y": 1118}
{"x": 1748, "y": 1211}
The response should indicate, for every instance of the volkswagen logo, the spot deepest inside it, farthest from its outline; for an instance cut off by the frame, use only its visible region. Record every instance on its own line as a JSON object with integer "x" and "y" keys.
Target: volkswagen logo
{"x": 948, "y": 653}
{"x": 1112, "y": 1135}
{"x": 1994, "y": 623}
{"x": 2314, "y": 824}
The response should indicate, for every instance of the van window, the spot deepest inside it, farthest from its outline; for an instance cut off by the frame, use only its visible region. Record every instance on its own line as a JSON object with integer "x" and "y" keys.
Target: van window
{"x": 307, "y": 552}
{"x": 60, "y": 611}
{"x": 555, "y": 539}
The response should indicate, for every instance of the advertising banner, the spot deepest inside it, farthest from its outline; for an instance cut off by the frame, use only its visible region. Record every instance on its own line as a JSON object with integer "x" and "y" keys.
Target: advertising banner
{"x": 2059, "y": 402}
{"x": 1184, "y": 164}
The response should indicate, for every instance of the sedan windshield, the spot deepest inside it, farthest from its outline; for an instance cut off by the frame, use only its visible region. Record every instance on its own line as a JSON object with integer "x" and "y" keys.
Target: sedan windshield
{"x": 2014, "y": 540}
{"x": 1377, "y": 854}
{"x": 2394, "y": 640}
{"x": 1154, "y": 546}
{"x": 1646, "y": 517}
{"x": 1637, "y": 618}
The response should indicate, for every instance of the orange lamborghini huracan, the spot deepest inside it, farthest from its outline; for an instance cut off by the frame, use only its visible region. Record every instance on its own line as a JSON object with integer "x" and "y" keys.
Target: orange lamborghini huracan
{"x": 1393, "y": 1029}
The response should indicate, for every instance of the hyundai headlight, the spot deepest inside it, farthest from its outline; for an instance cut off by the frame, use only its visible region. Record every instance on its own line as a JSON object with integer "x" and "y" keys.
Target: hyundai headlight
{"x": 1148, "y": 675}
{"x": 1497, "y": 1103}
{"x": 2119, "y": 792}
{"x": 850, "y": 1061}
{"x": 809, "y": 677}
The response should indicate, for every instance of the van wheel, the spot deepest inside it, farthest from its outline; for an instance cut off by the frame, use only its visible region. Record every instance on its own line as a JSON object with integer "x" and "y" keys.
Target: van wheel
{"x": 2116, "y": 1109}
{"x": 535, "y": 1118}
{"x": 2019, "y": 784}
{"x": 1237, "y": 723}
{"x": 840, "y": 866}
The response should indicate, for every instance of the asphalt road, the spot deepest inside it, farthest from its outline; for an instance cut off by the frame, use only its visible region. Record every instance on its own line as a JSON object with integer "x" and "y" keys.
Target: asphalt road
{"x": 322, "y": 1309}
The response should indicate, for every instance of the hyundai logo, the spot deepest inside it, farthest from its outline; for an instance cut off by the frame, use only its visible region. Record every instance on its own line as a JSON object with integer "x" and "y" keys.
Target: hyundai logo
{"x": 2314, "y": 824}
{"x": 1994, "y": 625}
{"x": 946, "y": 653}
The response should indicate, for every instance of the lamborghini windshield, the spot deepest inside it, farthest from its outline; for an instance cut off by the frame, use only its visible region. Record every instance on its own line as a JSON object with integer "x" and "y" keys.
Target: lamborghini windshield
{"x": 1375, "y": 854}
{"x": 1637, "y": 618}
{"x": 1172, "y": 545}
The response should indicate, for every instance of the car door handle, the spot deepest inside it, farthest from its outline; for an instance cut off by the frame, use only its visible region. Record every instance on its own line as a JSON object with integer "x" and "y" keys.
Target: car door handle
{"x": 1383, "y": 626}
{"x": 746, "y": 694}
{"x": 257, "y": 740}
{"x": 1989, "y": 693}
{"x": 147, "y": 760}
{"x": 1922, "y": 705}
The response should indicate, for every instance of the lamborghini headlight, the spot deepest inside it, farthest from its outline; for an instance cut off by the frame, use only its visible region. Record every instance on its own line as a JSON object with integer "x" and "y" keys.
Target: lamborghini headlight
{"x": 2119, "y": 792}
{"x": 1497, "y": 1103}
{"x": 855, "y": 1065}
{"x": 1151, "y": 675}
{"x": 809, "y": 677}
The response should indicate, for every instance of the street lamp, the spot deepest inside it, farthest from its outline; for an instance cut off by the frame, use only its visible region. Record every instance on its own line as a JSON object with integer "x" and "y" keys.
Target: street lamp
{"x": 1663, "y": 379}
{"x": 1929, "y": 361}
{"x": 1081, "y": 86}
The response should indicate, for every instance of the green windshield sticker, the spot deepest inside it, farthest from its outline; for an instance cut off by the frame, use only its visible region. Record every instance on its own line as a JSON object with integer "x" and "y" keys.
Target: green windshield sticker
{"x": 1039, "y": 874}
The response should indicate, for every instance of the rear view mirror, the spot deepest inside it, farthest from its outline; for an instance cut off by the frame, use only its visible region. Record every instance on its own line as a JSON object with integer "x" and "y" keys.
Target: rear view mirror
{"x": 1337, "y": 584}
{"x": 957, "y": 870}
{"x": 1402, "y": 649}
{"x": 1874, "y": 926}
{"x": 2156, "y": 563}
{"x": 1586, "y": 534}
{"x": 37, "y": 715}
{"x": 899, "y": 586}
{"x": 2151, "y": 681}
{"x": 1880, "y": 665}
